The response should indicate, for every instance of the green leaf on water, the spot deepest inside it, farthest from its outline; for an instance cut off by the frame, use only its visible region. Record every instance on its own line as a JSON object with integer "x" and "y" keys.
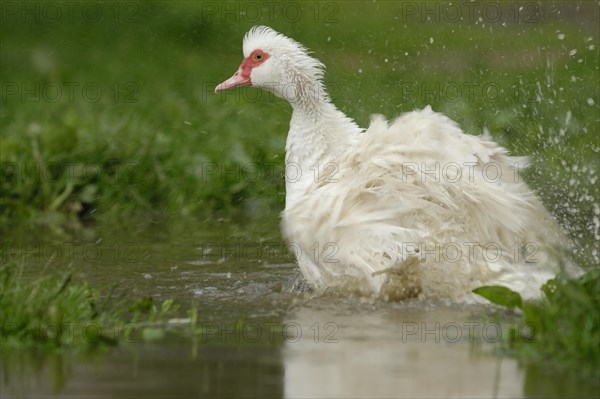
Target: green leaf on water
{"x": 500, "y": 296}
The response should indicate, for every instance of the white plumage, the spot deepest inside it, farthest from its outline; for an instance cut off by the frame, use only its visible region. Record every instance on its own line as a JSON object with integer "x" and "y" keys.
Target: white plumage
{"x": 411, "y": 207}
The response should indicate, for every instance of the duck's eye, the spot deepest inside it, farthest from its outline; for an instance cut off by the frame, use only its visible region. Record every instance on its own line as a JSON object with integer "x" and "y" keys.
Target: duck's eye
{"x": 258, "y": 57}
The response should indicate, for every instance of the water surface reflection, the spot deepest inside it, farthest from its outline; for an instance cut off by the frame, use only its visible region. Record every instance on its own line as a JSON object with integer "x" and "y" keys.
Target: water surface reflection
{"x": 261, "y": 338}
{"x": 395, "y": 352}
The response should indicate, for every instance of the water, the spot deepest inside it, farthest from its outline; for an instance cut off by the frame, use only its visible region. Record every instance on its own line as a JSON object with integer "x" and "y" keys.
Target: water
{"x": 260, "y": 337}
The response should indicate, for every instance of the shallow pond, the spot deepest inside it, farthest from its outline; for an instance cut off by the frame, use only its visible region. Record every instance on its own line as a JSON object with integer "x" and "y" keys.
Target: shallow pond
{"x": 261, "y": 337}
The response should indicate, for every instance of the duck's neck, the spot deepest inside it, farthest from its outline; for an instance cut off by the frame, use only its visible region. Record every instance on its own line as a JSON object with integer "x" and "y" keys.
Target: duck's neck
{"x": 318, "y": 131}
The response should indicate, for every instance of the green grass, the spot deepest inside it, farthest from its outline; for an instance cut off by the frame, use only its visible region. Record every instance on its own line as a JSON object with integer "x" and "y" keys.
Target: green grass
{"x": 562, "y": 331}
{"x": 56, "y": 311}
{"x": 49, "y": 312}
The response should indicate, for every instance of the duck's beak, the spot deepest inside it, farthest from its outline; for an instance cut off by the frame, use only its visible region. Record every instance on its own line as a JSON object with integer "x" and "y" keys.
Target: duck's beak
{"x": 238, "y": 79}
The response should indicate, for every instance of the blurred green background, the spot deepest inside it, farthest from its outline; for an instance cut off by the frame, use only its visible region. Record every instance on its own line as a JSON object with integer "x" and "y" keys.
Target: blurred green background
{"x": 108, "y": 110}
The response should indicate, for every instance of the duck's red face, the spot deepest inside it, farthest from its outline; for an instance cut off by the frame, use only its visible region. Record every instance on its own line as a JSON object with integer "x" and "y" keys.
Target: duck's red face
{"x": 242, "y": 76}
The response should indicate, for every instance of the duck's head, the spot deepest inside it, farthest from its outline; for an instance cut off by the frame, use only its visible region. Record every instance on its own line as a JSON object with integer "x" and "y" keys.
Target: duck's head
{"x": 278, "y": 64}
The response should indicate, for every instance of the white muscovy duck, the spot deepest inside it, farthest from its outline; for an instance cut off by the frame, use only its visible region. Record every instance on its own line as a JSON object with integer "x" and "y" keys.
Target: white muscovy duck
{"x": 411, "y": 207}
